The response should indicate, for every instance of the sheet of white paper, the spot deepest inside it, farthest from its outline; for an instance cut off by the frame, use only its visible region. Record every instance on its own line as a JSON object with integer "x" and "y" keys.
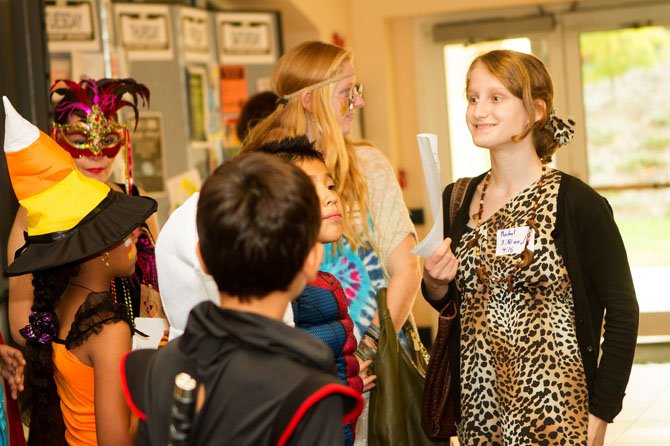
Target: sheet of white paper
{"x": 153, "y": 327}
{"x": 431, "y": 172}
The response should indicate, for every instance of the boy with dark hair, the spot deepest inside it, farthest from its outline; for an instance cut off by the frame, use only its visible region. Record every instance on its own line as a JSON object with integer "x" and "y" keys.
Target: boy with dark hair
{"x": 261, "y": 382}
{"x": 322, "y": 309}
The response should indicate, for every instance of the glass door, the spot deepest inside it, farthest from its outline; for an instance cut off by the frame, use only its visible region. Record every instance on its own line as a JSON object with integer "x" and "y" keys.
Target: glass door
{"x": 610, "y": 69}
{"x": 626, "y": 117}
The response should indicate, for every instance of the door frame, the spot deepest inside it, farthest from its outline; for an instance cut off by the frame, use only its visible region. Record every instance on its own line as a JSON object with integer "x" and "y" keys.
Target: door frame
{"x": 564, "y": 65}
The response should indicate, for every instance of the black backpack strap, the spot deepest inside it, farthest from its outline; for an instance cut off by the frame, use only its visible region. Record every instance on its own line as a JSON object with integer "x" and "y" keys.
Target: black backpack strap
{"x": 144, "y": 371}
{"x": 313, "y": 389}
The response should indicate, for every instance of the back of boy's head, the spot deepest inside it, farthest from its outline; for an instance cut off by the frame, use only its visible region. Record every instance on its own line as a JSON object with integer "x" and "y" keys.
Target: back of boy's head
{"x": 294, "y": 149}
{"x": 258, "y": 217}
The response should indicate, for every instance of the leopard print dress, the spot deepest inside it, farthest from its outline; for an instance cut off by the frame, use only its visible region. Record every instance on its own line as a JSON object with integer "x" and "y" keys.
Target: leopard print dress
{"x": 522, "y": 378}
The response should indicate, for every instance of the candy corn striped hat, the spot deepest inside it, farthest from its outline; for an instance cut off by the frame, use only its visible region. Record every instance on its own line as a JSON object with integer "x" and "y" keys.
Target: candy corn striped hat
{"x": 70, "y": 217}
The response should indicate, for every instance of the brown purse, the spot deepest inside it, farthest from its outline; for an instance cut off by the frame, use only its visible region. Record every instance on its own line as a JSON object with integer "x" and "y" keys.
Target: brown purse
{"x": 438, "y": 411}
{"x": 438, "y": 418}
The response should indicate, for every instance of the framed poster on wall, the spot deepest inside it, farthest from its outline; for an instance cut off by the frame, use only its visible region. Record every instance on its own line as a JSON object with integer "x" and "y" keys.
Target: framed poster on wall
{"x": 233, "y": 88}
{"x": 194, "y": 32}
{"x": 247, "y": 38}
{"x": 197, "y": 89}
{"x": 148, "y": 163}
{"x": 144, "y": 31}
{"x": 71, "y": 25}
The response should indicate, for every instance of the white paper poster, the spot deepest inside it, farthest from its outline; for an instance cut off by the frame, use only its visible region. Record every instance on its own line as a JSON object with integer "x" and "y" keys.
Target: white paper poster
{"x": 195, "y": 34}
{"x": 246, "y": 38}
{"x": 71, "y": 25}
{"x": 144, "y": 31}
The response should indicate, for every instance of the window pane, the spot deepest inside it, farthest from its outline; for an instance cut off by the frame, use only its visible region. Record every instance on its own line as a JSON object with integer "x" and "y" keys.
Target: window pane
{"x": 626, "y": 91}
{"x": 643, "y": 217}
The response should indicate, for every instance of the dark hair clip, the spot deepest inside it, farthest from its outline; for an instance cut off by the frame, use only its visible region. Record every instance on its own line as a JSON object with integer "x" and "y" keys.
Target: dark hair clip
{"x": 42, "y": 327}
{"x": 282, "y": 101}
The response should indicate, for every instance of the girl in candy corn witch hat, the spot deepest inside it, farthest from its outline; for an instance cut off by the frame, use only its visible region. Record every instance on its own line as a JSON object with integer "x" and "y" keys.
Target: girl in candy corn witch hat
{"x": 86, "y": 126}
{"x": 80, "y": 235}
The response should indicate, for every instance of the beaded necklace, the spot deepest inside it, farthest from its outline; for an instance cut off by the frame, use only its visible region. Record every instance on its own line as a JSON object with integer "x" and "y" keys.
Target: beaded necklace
{"x": 125, "y": 297}
{"x": 527, "y": 257}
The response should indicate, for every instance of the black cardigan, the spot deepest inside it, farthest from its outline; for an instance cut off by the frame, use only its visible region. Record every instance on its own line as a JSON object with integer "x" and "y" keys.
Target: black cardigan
{"x": 588, "y": 239}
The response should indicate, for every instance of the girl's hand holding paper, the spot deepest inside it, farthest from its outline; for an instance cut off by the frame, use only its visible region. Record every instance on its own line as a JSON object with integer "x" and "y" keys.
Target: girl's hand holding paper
{"x": 439, "y": 270}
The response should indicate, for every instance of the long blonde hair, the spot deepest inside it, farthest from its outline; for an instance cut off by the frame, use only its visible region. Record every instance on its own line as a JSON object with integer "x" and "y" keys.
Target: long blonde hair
{"x": 301, "y": 67}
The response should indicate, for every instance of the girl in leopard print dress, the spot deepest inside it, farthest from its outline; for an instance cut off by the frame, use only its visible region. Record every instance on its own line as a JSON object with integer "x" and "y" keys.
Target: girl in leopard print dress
{"x": 534, "y": 262}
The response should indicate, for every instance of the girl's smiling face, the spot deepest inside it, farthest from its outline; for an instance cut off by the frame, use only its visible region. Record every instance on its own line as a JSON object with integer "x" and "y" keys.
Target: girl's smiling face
{"x": 494, "y": 115}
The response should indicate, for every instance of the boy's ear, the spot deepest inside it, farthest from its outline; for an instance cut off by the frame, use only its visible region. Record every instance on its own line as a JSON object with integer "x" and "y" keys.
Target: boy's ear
{"x": 313, "y": 261}
{"x": 306, "y": 101}
{"x": 202, "y": 262}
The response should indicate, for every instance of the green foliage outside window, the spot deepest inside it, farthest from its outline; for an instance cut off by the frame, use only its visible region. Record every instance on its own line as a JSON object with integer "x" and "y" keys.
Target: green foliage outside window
{"x": 608, "y": 54}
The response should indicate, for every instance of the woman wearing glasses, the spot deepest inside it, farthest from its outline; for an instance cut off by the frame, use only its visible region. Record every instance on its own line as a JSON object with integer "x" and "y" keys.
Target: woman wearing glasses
{"x": 86, "y": 126}
{"x": 319, "y": 97}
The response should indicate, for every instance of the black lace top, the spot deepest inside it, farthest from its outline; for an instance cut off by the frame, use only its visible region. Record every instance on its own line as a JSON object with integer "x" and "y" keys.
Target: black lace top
{"x": 98, "y": 310}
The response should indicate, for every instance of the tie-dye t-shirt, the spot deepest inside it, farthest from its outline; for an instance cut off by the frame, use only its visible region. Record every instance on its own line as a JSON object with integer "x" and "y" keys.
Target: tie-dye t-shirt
{"x": 361, "y": 277}
{"x": 363, "y": 273}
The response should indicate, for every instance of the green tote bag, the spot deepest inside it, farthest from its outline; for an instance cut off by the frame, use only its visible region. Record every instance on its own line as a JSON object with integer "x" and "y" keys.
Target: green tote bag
{"x": 395, "y": 402}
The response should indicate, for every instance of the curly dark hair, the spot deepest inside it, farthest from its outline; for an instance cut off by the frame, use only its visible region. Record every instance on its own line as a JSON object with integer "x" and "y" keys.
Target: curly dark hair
{"x": 294, "y": 149}
{"x": 40, "y": 401}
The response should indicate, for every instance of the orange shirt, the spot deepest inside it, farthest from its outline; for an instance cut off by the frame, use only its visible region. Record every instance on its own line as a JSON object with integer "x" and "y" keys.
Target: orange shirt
{"x": 76, "y": 384}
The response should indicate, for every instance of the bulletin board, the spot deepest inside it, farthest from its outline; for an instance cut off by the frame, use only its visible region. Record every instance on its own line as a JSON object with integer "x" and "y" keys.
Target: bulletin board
{"x": 199, "y": 65}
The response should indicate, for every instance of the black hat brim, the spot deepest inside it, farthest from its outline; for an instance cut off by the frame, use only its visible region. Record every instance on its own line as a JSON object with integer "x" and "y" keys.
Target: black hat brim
{"x": 109, "y": 223}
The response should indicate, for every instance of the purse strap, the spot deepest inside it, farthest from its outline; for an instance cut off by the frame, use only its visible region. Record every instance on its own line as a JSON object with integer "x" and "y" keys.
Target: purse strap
{"x": 457, "y": 196}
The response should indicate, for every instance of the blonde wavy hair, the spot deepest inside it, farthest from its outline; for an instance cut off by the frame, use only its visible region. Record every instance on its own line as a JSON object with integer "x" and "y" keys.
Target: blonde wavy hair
{"x": 300, "y": 68}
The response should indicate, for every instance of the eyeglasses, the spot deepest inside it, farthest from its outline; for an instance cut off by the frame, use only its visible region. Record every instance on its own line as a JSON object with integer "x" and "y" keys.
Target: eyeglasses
{"x": 355, "y": 93}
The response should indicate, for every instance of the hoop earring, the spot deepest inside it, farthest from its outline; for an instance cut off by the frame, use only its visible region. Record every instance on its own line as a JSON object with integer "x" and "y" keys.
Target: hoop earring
{"x": 105, "y": 259}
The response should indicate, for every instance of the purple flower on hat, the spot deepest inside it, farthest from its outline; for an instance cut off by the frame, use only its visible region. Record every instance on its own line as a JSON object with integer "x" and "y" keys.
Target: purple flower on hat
{"x": 42, "y": 327}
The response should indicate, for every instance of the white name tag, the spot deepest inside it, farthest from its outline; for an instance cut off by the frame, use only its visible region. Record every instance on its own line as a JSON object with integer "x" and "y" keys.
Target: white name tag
{"x": 513, "y": 240}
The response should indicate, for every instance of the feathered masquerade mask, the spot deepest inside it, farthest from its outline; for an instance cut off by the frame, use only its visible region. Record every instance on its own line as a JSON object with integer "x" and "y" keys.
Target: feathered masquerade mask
{"x": 97, "y": 133}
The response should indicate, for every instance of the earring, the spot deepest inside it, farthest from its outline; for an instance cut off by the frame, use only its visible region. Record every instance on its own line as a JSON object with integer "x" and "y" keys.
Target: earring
{"x": 105, "y": 259}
